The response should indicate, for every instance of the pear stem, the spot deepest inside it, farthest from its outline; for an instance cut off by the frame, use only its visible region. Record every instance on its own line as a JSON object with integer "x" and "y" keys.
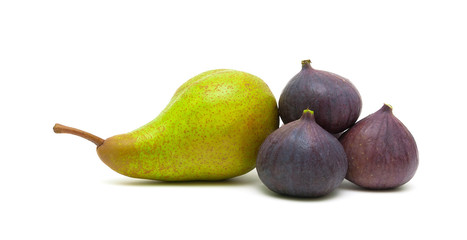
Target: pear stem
{"x": 59, "y": 128}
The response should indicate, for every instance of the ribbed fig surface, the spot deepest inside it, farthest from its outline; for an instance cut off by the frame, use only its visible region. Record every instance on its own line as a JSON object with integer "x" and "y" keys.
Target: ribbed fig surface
{"x": 381, "y": 151}
{"x": 334, "y": 99}
{"x": 301, "y": 159}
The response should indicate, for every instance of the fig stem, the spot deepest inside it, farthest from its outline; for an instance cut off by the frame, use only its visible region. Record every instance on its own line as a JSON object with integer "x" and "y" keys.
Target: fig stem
{"x": 59, "y": 128}
{"x": 308, "y": 111}
{"x": 306, "y": 64}
{"x": 308, "y": 115}
{"x": 386, "y": 108}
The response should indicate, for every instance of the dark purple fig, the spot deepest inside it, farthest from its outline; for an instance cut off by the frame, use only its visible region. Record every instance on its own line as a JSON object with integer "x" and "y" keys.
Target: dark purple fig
{"x": 381, "y": 151}
{"x": 301, "y": 159}
{"x": 334, "y": 99}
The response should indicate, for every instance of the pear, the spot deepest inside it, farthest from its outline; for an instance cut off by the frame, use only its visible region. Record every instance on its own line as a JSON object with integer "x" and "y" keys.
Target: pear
{"x": 211, "y": 129}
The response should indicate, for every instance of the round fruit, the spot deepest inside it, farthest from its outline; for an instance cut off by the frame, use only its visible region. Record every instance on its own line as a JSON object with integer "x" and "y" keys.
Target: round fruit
{"x": 334, "y": 99}
{"x": 381, "y": 151}
{"x": 301, "y": 159}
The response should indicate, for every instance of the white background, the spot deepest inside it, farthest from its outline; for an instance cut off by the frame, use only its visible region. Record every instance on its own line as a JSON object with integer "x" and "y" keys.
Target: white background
{"x": 108, "y": 67}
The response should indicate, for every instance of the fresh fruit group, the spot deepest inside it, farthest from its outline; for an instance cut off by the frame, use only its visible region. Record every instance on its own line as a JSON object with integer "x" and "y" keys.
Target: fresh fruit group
{"x": 334, "y": 99}
{"x": 211, "y": 130}
{"x": 381, "y": 151}
{"x": 301, "y": 159}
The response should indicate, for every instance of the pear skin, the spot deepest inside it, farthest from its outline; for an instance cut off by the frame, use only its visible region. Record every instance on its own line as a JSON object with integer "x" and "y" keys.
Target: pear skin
{"x": 211, "y": 129}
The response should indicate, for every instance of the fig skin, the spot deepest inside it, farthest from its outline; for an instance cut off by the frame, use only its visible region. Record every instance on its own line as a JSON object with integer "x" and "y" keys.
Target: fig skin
{"x": 381, "y": 152}
{"x": 334, "y": 99}
{"x": 301, "y": 159}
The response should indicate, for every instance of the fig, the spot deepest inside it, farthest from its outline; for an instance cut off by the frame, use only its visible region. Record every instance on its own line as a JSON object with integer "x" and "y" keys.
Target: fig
{"x": 381, "y": 152}
{"x": 301, "y": 159}
{"x": 334, "y": 99}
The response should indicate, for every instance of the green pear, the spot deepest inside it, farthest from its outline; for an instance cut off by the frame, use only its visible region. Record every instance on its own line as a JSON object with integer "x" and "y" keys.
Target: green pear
{"x": 211, "y": 129}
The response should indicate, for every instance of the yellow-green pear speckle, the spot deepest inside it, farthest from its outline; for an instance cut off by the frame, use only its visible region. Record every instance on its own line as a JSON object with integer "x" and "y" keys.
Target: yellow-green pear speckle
{"x": 211, "y": 129}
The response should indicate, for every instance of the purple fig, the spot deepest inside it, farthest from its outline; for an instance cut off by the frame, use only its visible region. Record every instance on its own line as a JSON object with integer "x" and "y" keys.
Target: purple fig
{"x": 301, "y": 159}
{"x": 381, "y": 151}
{"x": 335, "y": 100}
